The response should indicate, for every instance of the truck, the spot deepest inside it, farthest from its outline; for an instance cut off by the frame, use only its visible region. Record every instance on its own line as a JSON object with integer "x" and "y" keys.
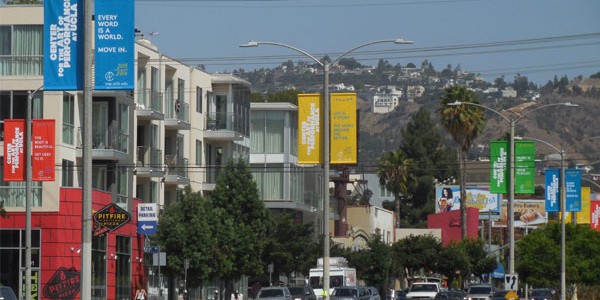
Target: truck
{"x": 423, "y": 290}
{"x": 339, "y": 275}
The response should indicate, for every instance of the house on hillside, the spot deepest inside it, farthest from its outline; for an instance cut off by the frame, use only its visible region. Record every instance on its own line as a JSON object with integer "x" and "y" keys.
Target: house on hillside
{"x": 386, "y": 99}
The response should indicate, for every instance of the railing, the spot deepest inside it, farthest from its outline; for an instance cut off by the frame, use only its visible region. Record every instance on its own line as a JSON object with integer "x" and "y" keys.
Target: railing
{"x": 223, "y": 121}
{"x": 177, "y": 110}
{"x": 149, "y": 99}
{"x": 106, "y": 138}
{"x": 212, "y": 172}
{"x": 177, "y": 165}
{"x": 148, "y": 157}
{"x": 21, "y": 65}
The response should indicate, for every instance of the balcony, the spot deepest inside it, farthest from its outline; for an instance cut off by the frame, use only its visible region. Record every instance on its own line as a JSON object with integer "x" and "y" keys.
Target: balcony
{"x": 107, "y": 144}
{"x": 149, "y": 105}
{"x": 222, "y": 127}
{"x": 149, "y": 162}
{"x": 176, "y": 170}
{"x": 177, "y": 115}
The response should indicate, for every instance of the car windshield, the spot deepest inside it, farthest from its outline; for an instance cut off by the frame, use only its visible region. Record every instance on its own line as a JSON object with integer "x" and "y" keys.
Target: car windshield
{"x": 422, "y": 288}
{"x": 480, "y": 290}
{"x": 270, "y": 293}
{"x": 296, "y": 290}
{"x": 344, "y": 292}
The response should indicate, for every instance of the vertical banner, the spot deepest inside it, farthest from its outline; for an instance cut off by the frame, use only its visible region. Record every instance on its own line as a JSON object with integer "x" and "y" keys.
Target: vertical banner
{"x": 524, "y": 167}
{"x": 583, "y": 217}
{"x": 43, "y": 150}
{"x": 595, "y": 215}
{"x": 573, "y": 190}
{"x": 14, "y": 149}
{"x": 63, "y": 45}
{"x": 343, "y": 129}
{"x": 499, "y": 167}
{"x": 114, "y": 57}
{"x": 309, "y": 129}
{"x": 552, "y": 190}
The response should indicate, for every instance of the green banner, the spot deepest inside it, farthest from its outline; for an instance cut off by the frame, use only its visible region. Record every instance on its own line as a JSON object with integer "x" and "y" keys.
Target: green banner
{"x": 499, "y": 167}
{"x": 524, "y": 167}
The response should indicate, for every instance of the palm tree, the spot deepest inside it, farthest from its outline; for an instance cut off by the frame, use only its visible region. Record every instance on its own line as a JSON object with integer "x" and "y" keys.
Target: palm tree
{"x": 464, "y": 123}
{"x": 395, "y": 173}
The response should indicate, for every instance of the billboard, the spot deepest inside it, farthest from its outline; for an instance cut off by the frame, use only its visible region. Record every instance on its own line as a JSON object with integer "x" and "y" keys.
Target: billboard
{"x": 309, "y": 129}
{"x": 448, "y": 199}
{"x": 63, "y": 45}
{"x": 526, "y": 213}
{"x": 343, "y": 149}
{"x": 114, "y": 57}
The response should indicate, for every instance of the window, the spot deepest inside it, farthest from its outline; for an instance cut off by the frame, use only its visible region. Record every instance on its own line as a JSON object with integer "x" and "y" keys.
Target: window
{"x": 122, "y": 187}
{"x": 68, "y": 172}
{"x": 181, "y": 90}
{"x": 199, "y": 95}
{"x": 123, "y": 258}
{"x": 12, "y": 256}
{"x": 14, "y": 193}
{"x": 68, "y": 127}
{"x": 99, "y": 259}
{"x": 123, "y": 133}
{"x": 99, "y": 177}
{"x": 267, "y": 132}
{"x": 198, "y": 152}
{"x": 257, "y": 132}
{"x": 13, "y": 105}
{"x": 269, "y": 180}
{"x": 21, "y": 50}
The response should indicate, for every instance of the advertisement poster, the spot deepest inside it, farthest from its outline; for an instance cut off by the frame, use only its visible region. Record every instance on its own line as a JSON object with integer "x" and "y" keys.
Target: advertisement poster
{"x": 43, "y": 152}
{"x": 14, "y": 149}
{"x": 526, "y": 213}
{"x": 573, "y": 190}
{"x": 552, "y": 181}
{"x": 524, "y": 167}
{"x": 63, "y": 45}
{"x": 114, "y": 57}
{"x": 343, "y": 129}
{"x": 309, "y": 129}
{"x": 448, "y": 199}
{"x": 499, "y": 167}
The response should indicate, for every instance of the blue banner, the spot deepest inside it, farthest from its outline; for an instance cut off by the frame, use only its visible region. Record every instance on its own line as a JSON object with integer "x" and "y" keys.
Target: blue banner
{"x": 63, "y": 45}
{"x": 552, "y": 190}
{"x": 115, "y": 62}
{"x": 573, "y": 183}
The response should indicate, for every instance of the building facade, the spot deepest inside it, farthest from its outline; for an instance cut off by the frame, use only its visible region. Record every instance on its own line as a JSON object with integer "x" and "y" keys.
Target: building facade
{"x": 179, "y": 127}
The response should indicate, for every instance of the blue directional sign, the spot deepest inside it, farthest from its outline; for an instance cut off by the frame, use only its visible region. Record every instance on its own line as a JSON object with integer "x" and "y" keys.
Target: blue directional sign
{"x": 147, "y": 227}
{"x": 151, "y": 249}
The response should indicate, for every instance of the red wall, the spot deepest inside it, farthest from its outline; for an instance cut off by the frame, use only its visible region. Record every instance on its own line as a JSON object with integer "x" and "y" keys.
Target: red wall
{"x": 61, "y": 231}
{"x": 449, "y": 222}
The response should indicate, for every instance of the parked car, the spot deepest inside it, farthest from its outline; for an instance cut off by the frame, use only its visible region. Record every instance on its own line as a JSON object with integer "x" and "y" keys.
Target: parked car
{"x": 501, "y": 294}
{"x": 275, "y": 293}
{"x": 373, "y": 293}
{"x": 302, "y": 293}
{"x": 451, "y": 295}
{"x": 350, "y": 293}
{"x": 401, "y": 294}
{"x": 480, "y": 292}
{"x": 541, "y": 294}
{"x": 6, "y": 293}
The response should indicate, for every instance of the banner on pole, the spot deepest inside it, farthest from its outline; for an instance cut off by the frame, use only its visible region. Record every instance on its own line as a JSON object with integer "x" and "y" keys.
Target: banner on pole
{"x": 499, "y": 167}
{"x": 15, "y": 139}
{"x": 63, "y": 45}
{"x": 573, "y": 190}
{"x": 343, "y": 149}
{"x": 309, "y": 129}
{"x": 552, "y": 181}
{"x": 43, "y": 150}
{"x": 524, "y": 167}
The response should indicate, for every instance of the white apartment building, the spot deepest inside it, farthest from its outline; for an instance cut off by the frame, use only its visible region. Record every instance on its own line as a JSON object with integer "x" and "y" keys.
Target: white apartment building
{"x": 386, "y": 99}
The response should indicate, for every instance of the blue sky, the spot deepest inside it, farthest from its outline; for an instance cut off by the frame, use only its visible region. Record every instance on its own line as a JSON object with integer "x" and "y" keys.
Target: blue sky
{"x": 536, "y": 38}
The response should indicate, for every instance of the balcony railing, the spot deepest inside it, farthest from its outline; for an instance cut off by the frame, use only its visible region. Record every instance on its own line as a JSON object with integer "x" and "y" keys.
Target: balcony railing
{"x": 106, "y": 138}
{"x": 149, "y": 99}
{"x": 148, "y": 157}
{"x": 177, "y": 165}
{"x": 223, "y": 121}
{"x": 177, "y": 110}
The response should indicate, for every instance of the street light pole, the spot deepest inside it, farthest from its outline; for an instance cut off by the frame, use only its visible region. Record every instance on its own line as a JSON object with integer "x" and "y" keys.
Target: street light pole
{"x": 511, "y": 187}
{"x": 325, "y": 136}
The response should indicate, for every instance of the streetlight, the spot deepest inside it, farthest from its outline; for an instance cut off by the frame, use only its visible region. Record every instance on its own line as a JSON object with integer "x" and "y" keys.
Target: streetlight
{"x": 325, "y": 139}
{"x": 511, "y": 195}
{"x": 563, "y": 204}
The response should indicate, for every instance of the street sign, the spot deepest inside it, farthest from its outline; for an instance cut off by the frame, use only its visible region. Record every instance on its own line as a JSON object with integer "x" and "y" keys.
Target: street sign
{"x": 511, "y": 282}
{"x": 151, "y": 249}
{"x": 147, "y": 218}
{"x": 511, "y": 295}
{"x": 147, "y": 227}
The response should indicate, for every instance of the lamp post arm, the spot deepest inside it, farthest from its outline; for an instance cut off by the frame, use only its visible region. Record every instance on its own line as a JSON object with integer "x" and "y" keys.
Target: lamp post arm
{"x": 544, "y": 106}
{"x": 256, "y": 44}
{"x": 397, "y": 41}
{"x": 457, "y": 103}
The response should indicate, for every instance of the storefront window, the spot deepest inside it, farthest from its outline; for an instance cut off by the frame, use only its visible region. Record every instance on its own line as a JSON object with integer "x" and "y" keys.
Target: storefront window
{"x": 123, "y": 267}
{"x": 99, "y": 258}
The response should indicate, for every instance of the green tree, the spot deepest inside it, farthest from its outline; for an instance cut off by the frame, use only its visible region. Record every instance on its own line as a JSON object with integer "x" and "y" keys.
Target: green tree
{"x": 453, "y": 260}
{"x": 349, "y": 63}
{"x": 288, "y": 246}
{"x": 185, "y": 232}
{"x": 373, "y": 264}
{"x": 394, "y": 171}
{"x": 244, "y": 223}
{"x": 464, "y": 123}
{"x": 479, "y": 262}
{"x": 416, "y": 253}
{"x": 521, "y": 85}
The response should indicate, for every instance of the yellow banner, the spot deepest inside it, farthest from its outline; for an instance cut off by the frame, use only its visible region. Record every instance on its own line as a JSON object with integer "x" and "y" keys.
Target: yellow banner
{"x": 309, "y": 129}
{"x": 343, "y": 149}
{"x": 583, "y": 217}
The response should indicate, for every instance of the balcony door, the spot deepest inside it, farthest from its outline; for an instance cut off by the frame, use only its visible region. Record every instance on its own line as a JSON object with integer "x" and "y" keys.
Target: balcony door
{"x": 100, "y": 124}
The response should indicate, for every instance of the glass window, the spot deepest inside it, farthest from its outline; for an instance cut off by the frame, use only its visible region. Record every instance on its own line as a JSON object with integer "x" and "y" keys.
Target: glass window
{"x": 181, "y": 90}
{"x": 198, "y": 152}
{"x": 269, "y": 180}
{"x": 123, "y": 270}
{"x": 123, "y": 133}
{"x": 99, "y": 177}
{"x": 274, "y": 132}
{"x": 68, "y": 172}
{"x": 13, "y": 105}
{"x": 99, "y": 259}
{"x": 21, "y": 50}
{"x": 68, "y": 126}
{"x": 14, "y": 193}
{"x": 199, "y": 95}
{"x": 257, "y": 132}
{"x": 12, "y": 255}
{"x": 122, "y": 187}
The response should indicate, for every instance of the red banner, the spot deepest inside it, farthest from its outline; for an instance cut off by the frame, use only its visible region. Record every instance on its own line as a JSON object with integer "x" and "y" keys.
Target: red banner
{"x": 595, "y": 215}
{"x": 43, "y": 144}
{"x": 14, "y": 149}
